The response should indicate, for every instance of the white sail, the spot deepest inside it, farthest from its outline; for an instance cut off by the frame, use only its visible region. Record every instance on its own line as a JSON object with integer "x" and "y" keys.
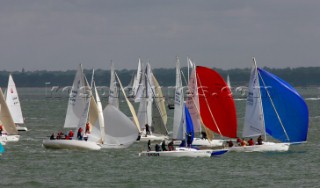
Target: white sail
{"x": 178, "y": 106}
{"x": 145, "y": 105}
{"x": 253, "y": 121}
{"x": 96, "y": 132}
{"x": 13, "y": 102}
{"x": 120, "y": 130}
{"x": 228, "y": 82}
{"x": 113, "y": 90}
{"x": 6, "y": 118}
{"x": 100, "y": 114}
{"x": 137, "y": 79}
{"x": 85, "y": 114}
{"x": 77, "y": 98}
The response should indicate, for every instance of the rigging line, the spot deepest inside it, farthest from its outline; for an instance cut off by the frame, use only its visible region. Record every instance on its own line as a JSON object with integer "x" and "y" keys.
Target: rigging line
{"x": 274, "y": 107}
{"x": 207, "y": 103}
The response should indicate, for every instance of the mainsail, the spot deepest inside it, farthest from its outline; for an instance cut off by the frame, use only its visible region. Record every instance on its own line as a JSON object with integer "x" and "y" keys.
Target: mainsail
{"x": 253, "y": 120}
{"x": 217, "y": 108}
{"x": 113, "y": 90}
{"x": 77, "y": 99}
{"x": 144, "y": 96}
{"x": 13, "y": 102}
{"x": 178, "y": 119}
{"x": 137, "y": 79}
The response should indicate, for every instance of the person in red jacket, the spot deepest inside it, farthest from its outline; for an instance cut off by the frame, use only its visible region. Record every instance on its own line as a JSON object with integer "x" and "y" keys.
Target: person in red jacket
{"x": 70, "y": 134}
{"x": 87, "y": 128}
{"x": 251, "y": 142}
{"x": 1, "y": 129}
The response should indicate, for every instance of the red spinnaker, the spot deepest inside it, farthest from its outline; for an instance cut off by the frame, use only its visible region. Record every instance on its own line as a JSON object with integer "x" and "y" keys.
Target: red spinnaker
{"x": 217, "y": 108}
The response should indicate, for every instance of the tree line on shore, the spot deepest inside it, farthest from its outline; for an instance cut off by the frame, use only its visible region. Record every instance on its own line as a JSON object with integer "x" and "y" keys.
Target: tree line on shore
{"x": 301, "y": 76}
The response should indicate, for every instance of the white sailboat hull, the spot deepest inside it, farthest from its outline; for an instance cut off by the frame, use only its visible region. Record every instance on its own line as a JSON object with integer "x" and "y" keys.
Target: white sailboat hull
{"x": 70, "y": 144}
{"x": 114, "y": 146}
{"x": 12, "y": 138}
{"x": 265, "y": 147}
{"x": 198, "y": 142}
{"x": 3, "y": 140}
{"x": 152, "y": 138}
{"x": 206, "y": 142}
{"x": 184, "y": 152}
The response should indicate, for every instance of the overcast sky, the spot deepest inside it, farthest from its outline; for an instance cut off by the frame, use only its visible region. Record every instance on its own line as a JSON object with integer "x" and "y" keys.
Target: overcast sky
{"x": 60, "y": 34}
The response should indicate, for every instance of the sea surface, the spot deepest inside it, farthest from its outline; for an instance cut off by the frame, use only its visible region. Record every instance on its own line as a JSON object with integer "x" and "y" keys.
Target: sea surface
{"x": 27, "y": 164}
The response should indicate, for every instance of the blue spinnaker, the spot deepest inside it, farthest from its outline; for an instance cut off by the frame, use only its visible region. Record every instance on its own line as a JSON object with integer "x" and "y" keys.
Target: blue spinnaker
{"x": 279, "y": 97}
{"x": 189, "y": 124}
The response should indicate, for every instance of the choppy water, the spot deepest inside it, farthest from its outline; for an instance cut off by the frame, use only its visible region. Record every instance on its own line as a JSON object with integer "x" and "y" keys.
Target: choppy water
{"x": 28, "y": 164}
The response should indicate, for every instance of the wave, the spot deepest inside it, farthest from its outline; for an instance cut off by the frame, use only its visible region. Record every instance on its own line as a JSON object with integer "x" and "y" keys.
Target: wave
{"x": 312, "y": 99}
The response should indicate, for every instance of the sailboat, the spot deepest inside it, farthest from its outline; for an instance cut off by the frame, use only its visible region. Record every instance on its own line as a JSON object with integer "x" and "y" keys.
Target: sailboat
{"x": 152, "y": 109}
{"x": 211, "y": 107}
{"x": 276, "y": 109}
{"x": 185, "y": 126}
{"x": 13, "y": 102}
{"x": 79, "y": 112}
{"x": 10, "y": 132}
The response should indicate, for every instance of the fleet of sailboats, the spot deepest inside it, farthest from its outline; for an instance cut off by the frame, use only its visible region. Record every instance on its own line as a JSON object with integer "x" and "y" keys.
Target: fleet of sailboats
{"x": 202, "y": 112}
